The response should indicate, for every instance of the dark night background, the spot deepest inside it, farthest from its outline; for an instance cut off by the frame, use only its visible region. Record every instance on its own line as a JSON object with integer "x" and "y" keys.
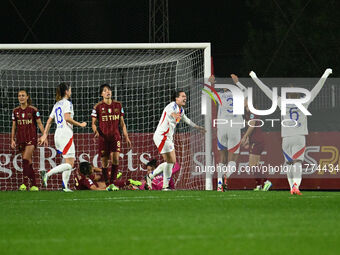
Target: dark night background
{"x": 285, "y": 38}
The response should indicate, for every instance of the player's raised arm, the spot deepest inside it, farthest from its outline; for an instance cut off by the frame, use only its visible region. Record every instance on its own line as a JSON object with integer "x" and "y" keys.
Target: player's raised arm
{"x": 239, "y": 84}
{"x": 261, "y": 85}
{"x": 315, "y": 91}
{"x": 125, "y": 133}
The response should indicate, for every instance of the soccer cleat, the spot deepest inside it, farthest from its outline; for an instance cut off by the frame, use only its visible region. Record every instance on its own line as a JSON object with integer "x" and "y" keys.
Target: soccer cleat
{"x": 166, "y": 189}
{"x": 135, "y": 183}
{"x": 258, "y": 188}
{"x": 112, "y": 187}
{"x": 34, "y": 188}
{"x": 67, "y": 190}
{"x": 44, "y": 178}
{"x": 119, "y": 175}
{"x": 295, "y": 191}
{"x": 22, "y": 187}
{"x": 267, "y": 185}
{"x": 220, "y": 188}
{"x": 148, "y": 181}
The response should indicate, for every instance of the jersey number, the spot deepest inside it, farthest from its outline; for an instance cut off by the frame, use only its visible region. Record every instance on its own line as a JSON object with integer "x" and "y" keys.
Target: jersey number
{"x": 59, "y": 116}
{"x": 293, "y": 112}
{"x": 231, "y": 104}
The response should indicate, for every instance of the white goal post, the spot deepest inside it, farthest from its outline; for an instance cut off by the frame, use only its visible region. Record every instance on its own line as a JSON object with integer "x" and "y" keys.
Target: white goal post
{"x": 142, "y": 76}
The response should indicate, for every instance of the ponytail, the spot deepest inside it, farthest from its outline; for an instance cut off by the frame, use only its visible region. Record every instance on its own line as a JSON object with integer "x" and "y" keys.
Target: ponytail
{"x": 61, "y": 91}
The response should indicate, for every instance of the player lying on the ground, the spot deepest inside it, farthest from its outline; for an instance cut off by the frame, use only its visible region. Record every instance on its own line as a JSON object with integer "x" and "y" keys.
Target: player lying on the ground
{"x": 91, "y": 178}
{"x": 154, "y": 177}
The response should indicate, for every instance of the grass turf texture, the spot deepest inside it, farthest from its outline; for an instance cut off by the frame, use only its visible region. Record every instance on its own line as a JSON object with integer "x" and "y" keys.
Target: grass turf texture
{"x": 179, "y": 222}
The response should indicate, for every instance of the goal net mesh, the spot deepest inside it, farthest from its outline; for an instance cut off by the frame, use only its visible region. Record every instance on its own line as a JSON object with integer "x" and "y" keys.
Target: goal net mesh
{"x": 141, "y": 79}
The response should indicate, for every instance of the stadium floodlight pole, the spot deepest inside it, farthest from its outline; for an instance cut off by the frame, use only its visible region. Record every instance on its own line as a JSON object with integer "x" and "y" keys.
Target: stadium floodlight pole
{"x": 205, "y": 49}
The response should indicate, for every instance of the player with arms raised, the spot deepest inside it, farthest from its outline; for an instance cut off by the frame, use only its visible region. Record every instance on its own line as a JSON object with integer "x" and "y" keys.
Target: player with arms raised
{"x": 294, "y": 132}
{"x": 228, "y": 137}
{"x": 163, "y": 136}
{"x": 63, "y": 114}
{"x": 25, "y": 119}
{"x": 110, "y": 116}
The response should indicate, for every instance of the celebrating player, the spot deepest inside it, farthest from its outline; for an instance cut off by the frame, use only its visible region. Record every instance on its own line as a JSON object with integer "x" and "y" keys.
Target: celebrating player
{"x": 25, "y": 119}
{"x": 228, "y": 137}
{"x": 154, "y": 177}
{"x": 63, "y": 113}
{"x": 253, "y": 140}
{"x": 293, "y": 134}
{"x": 110, "y": 115}
{"x": 163, "y": 136}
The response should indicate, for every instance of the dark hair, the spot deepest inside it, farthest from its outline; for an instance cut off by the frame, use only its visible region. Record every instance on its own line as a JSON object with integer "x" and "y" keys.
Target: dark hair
{"x": 152, "y": 163}
{"x": 103, "y": 86}
{"x": 29, "y": 100}
{"x": 61, "y": 90}
{"x": 175, "y": 94}
{"x": 85, "y": 168}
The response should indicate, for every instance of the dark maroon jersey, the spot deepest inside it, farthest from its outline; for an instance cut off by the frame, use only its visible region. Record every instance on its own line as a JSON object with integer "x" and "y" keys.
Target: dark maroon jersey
{"x": 26, "y": 124}
{"x": 108, "y": 116}
{"x": 257, "y": 135}
{"x": 83, "y": 183}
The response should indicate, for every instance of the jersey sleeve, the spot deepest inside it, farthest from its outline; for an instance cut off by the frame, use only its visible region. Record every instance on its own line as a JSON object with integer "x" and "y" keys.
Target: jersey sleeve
{"x": 88, "y": 183}
{"x": 36, "y": 114}
{"x": 170, "y": 109}
{"x": 67, "y": 107}
{"x": 188, "y": 121}
{"x": 94, "y": 112}
{"x": 13, "y": 116}
{"x": 121, "y": 111}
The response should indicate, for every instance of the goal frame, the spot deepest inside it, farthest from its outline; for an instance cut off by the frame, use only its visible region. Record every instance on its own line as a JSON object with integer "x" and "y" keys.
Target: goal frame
{"x": 207, "y": 72}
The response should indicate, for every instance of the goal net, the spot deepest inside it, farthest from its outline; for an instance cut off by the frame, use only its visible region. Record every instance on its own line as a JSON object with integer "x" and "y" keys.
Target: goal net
{"x": 142, "y": 78}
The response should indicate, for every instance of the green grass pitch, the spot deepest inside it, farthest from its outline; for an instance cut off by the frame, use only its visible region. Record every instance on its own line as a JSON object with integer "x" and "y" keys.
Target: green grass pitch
{"x": 178, "y": 222}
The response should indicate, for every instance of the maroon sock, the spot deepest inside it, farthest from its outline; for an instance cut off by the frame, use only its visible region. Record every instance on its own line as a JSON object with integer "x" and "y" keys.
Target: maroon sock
{"x": 114, "y": 171}
{"x": 121, "y": 183}
{"x": 32, "y": 176}
{"x": 104, "y": 173}
{"x": 25, "y": 171}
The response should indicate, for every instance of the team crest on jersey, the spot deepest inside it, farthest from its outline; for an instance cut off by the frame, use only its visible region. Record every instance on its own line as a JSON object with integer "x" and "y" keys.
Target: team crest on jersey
{"x": 109, "y": 110}
{"x": 29, "y": 115}
{"x": 23, "y": 115}
{"x": 116, "y": 110}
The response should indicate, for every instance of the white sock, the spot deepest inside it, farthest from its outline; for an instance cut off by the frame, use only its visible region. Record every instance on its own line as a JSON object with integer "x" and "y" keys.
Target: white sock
{"x": 219, "y": 174}
{"x": 167, "y": 174}
{"x": 297, "y": 173}
{"x": 231, "y": 168}
{"x": 61, "y": 168}
{"x": 66, "y": 178}
{"x": 158, "y": 170}
{"x": 290, "y": 176}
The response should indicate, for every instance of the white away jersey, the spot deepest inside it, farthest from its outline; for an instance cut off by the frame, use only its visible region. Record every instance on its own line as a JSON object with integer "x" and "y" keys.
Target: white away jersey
{"x": 59, "y": 109}
{"x": 225, "y": 111}
{"x": 295, "y": 122}
{"x": 167, "y": 123}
